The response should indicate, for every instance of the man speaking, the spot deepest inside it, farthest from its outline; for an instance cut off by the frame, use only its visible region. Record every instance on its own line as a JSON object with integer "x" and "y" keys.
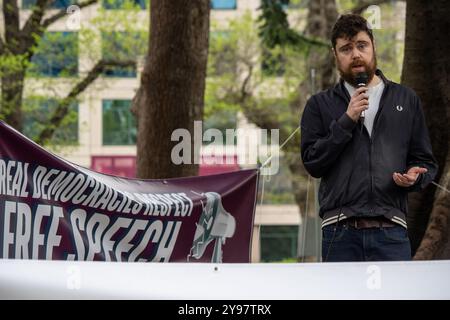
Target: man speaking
{"x": 367, "y": 140}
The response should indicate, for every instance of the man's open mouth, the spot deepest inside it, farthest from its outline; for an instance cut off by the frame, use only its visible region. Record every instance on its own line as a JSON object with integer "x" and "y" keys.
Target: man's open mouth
{"x": 359, "y": 66}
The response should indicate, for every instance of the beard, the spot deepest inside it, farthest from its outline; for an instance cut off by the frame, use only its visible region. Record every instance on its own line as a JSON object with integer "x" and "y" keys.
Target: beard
{"x": 350, "y": 76}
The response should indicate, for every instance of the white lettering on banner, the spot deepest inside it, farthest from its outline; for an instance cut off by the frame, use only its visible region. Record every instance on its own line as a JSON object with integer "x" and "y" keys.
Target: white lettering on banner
{"x": 38, "y": 237}
{"x": 153, "y": 234}
{"x": 164, "y": 238}
{"x": 23, "y": 232}
{"x": 53, "y": 239}
{"x": 100, "y": 223}
{"x": 79, "y": 189}
{"x": 20, "y": 215}
{"x": 95, "y": 236}
{"x": 37, "y": 178}
{"x": 108, "y": 244}
{"x": 77, "y": 220}
{"x": 8, "y": 236}
{"x": 124, "y": 245}
{"x": 167, "y": 243}
{"x": 13, "y": 178}
{"x": 31, "y": 230}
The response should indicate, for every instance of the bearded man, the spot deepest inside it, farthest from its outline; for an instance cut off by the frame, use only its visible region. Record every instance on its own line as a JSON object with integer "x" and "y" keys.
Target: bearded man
{"x": 367, "y": 140}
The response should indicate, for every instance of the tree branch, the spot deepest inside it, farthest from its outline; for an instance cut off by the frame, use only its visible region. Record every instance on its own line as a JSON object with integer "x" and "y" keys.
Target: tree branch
{"x": 33, "y": 22}
{"x": 11, "y": 23}
{"x": 260, "y": 117}
{"x": 62, "y": 109}
{"x": 63, "y": 12}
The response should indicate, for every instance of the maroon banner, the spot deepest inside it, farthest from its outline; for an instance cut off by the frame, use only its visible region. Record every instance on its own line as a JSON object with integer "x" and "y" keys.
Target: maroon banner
{"x": 56, "y": 210}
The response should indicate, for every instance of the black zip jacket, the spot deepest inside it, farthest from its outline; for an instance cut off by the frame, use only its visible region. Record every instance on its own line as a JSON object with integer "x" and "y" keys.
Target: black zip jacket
{"x": 336, "y": 149}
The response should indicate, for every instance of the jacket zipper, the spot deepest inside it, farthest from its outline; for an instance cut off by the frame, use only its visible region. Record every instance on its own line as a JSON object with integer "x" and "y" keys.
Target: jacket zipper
{"x": 380, "y": 107}
{"x": 371, "y": 175}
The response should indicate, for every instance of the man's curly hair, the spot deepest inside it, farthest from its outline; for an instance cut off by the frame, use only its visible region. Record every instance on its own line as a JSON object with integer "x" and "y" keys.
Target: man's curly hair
{"x": 348, "y": 26}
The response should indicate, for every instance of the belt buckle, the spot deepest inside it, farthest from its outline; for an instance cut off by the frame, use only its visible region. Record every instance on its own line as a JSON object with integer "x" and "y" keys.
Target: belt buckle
{"x": 352, "y": 222}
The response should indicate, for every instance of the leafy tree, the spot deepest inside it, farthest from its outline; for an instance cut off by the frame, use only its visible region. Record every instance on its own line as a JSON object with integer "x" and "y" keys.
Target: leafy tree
{"x": 25, "y": 45}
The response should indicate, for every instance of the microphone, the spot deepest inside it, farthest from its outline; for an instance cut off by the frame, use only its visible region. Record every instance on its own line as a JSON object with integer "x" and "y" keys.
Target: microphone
{"x": 361, "y": 80}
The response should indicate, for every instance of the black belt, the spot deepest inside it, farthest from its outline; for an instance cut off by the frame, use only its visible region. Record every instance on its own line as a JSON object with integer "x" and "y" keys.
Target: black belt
{"x": 366, "y": 222}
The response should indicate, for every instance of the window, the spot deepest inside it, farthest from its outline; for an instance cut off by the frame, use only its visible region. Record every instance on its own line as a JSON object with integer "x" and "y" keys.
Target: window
{"x": 37, "y": 113}
{"x": 118, "y": 4}
{"x": 223, "y": 4}
{"x": 122, "y": 46}
{"x": 119, "y": 124}
{"x": 56, "y": 4}
{"x": 124, "y": 166}
{"x": 278, "y": 243}
{"x": 56, "y": 55}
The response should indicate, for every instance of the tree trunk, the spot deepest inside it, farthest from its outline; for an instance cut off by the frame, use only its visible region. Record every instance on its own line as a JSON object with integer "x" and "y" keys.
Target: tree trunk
{"x": 425, "y": 69}
{"x": 172, "y": 85}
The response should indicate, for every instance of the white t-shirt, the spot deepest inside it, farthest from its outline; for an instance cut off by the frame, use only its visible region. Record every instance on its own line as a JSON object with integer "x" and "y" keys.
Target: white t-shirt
{"x": 374, "y": 93}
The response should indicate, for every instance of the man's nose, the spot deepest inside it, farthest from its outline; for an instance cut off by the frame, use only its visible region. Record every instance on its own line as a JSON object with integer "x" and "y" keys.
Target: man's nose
{"x": 356, "y": 54}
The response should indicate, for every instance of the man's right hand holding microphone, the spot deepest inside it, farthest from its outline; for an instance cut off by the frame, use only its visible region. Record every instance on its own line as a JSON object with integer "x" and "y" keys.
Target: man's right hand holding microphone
{"x": 358, "y": 103}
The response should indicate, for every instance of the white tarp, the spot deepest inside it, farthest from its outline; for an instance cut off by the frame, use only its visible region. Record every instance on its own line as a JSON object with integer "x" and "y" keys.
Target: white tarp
{"x": 40, "y": 279}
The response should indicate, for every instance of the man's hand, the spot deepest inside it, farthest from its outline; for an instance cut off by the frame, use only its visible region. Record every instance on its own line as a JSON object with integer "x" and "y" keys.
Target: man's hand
{"x": 358, "y": 103}
{"x": 408, "y": 179}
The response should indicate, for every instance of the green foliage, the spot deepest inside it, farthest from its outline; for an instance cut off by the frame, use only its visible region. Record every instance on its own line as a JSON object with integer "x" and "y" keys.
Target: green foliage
{"x": 237, "y": 52}
{"x": 37, "y": 112}
{"x": 10, "y": 64}
{"x": 125, "y": 4}
{"x": 278, "y": 187}
{"x": 55, "y": 56}
{"x": 274, "y": 29}
{"x": 221, "y": 120}
{"x": 123, "y": 45}
{"x": 119, "y": 125}
{"x": 278, "y": 243}
{"x": 289, "y": 260}
{"x": 388, "y": 47}
{"x": 223, "y": 50}
{"x": 346, "y": 5}
{"x": 229, "y": 52}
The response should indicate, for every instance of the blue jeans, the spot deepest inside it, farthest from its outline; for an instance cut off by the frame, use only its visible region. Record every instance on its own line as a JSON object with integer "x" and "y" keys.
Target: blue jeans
{"x": 373, "y": 244}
